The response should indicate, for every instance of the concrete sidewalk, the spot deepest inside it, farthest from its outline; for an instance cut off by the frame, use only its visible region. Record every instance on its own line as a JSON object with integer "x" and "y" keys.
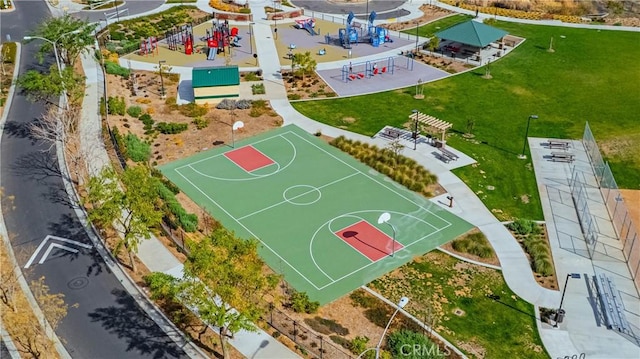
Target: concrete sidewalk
{"x": 151, "y": 252}
{"x": 575, "y": 336}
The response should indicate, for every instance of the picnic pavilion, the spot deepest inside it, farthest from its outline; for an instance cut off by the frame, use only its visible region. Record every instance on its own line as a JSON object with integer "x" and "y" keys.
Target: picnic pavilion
{"x": 432, "y": 122}
{"x": 474, "y": 41}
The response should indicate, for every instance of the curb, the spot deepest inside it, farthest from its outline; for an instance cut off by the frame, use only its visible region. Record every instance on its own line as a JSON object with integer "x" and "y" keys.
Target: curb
{"x": 24, "y": 286}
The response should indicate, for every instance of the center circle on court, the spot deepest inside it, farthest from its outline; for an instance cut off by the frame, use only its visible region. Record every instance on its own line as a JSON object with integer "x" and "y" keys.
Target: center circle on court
{"x": 302, "y": 195}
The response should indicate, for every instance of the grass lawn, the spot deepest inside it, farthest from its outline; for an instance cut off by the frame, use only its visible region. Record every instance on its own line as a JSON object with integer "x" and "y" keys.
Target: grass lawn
{"x": 587, "y": 78}
{"x": 491, "y": 320}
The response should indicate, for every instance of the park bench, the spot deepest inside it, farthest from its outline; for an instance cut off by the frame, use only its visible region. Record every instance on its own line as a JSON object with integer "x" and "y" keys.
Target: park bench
{"x": 562, "y": 157}
{"x": 558, "y": 144}
{"x": 391, "y": 133}
{"x": 611, "y": 303}
{"x": 447, "y": 155}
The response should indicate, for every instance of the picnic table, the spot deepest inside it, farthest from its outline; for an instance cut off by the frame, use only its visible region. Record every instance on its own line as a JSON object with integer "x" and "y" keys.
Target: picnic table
{"x": 558, "y": 144}
{"x": 562, "y": 157}
{"x": 447, "y": 156}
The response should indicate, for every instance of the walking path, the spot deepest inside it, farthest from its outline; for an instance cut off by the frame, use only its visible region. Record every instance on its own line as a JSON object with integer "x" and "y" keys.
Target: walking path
{"x": 580, "y": 333}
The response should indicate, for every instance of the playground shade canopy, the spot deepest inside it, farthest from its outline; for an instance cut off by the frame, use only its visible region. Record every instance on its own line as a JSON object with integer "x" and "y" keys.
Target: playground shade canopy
{"x": 472, "y": 33}
{"x": 212, "y": 84}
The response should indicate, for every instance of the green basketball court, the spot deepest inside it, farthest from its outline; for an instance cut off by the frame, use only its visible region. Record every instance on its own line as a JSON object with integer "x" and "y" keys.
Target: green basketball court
{"x": 314, "y": 209}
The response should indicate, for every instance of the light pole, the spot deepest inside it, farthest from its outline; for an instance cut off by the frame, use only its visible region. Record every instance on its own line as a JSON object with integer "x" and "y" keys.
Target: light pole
{"x": 367, "y": 12}
{"x": 236, "y": 126}
{"x": 560, "y": 312}
{"x": 526, "y": 134}
{"x": 401, "y": 304}
{"x": 161, "y": 78}
{"x": 55, "y": 52}
{"x": 251, "y": 37}
{"x": 384, "y": 218}
{"x": 115, "y": 2}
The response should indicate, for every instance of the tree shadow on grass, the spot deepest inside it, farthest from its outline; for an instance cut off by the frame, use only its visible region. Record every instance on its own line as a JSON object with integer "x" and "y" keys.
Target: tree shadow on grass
{"x": 496, "y": 298}
{"x": 142, "y": 334}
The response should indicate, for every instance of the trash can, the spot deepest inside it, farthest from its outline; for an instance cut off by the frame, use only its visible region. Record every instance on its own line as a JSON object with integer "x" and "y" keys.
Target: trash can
{"x": 560, "y": 315}
{"x": 440, "y": 144}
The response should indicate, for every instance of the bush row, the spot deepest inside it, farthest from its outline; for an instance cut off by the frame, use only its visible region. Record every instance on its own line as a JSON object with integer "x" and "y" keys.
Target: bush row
{"x": 401, "y": 169}
{"x": 474, "y": 243}
{"x": 175, "y": 214}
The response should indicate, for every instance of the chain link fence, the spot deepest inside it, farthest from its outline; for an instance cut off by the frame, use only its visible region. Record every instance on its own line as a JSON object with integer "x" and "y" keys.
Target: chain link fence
{"x": 580, "y": 200}
{"x": 625, "y": 229}
{"x": 314, "y": 344}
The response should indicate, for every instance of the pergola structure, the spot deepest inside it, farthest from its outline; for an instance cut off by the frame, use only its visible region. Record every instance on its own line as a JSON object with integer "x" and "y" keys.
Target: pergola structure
{"x": 431, "y": 121}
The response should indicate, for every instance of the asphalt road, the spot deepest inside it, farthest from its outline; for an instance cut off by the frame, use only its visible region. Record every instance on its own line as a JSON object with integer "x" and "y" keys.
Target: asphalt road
{"x": 107, "y": 323}
{"x": 133, "y": 7}
{"x": 385, "y": 9}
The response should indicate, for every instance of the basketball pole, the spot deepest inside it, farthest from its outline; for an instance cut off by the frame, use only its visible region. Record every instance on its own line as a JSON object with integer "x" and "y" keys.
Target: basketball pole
{"x": 384, "y": 218}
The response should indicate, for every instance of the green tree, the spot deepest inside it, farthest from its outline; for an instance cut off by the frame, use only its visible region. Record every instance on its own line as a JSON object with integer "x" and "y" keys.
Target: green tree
{"x": 130, "y": 209}
{"x": 42, "y": 86}
{"x": 433, "y": 44}
{"x": 305, "y": 63}
{"x": 223, "y": 281}
{"x": 71, "y": 36}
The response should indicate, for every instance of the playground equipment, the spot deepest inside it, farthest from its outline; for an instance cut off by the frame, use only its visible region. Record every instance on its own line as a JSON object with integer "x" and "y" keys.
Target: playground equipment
{"x": 307, "y": 24}
{"x": 149, "y": 46}
{"x": 355, "y": 71}
{"x": 219, "y": 37}
{"x": 372, "y": 34}
{"x": 182, "y": 35}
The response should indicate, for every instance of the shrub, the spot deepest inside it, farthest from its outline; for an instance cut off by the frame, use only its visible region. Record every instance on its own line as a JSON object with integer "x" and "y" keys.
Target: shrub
{"x": 171, "y": 128}
{"x": 9, "y": 50}
{"x": 359, "y": 345}
{"x": 474, "y": 243}
{"x": 134, "y": 111}
{"x": 326, "y": 326}
{"x": 200, "y": 123}
{"x": 245, "y": 10}
{"x": 300, "y": 303}
{"x": 258, "y": 89}
{"x": 113, "y": 68}
{"x": 192, "y": 110}
{"x": 362, "y": 299}
{"x": 521, "y": 226}
{"x": 343, "y": 342}
{"x": 188, "y": 221}
{"x": 137, "y": 150}
{"x": 148, "y": 123}
{"x": 117, "y": 106}
{"x": 400, "y": 340}
{"x": 251, "y": 76}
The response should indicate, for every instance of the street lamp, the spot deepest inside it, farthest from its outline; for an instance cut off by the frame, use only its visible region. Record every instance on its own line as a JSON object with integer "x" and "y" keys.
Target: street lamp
{"x": 526, "y": 134}
{"x": 384, "y": 218}
{"x": 251, "y": 36}
{"x": 161, "y": 78}
{"x": 401, "y": 304}
{"x": 236, "y": 126}
{"x": 55, "y": 52}
{"x": 367, "y": 12}
{"x": 560, "y": 312}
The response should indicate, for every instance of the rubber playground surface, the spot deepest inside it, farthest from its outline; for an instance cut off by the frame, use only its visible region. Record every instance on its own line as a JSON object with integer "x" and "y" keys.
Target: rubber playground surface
{"x": 314, "y": 210}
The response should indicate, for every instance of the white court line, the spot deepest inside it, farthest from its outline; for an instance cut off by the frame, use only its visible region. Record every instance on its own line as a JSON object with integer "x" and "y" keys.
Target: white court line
{"x": 247, "y": 229}
{"x": 300, "y": 195}
{"x": 262, "y": 153}
{"x": 423, "y": 209}
{"x": 352, "y": 246}
{"x": 222, "y": 154}
{"x": 253, "y": 176}
{"x": 376, "y": 181}
{"x": 372, "y": 263}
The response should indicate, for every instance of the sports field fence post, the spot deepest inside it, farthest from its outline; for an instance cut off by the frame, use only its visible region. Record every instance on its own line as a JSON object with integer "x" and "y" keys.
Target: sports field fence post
{"x": 295, "y": 334}
{"x": 321, "y": 350}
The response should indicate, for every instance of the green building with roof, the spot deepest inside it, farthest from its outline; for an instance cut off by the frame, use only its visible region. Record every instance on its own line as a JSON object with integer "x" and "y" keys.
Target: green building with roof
{"x": 213, "y": 84}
